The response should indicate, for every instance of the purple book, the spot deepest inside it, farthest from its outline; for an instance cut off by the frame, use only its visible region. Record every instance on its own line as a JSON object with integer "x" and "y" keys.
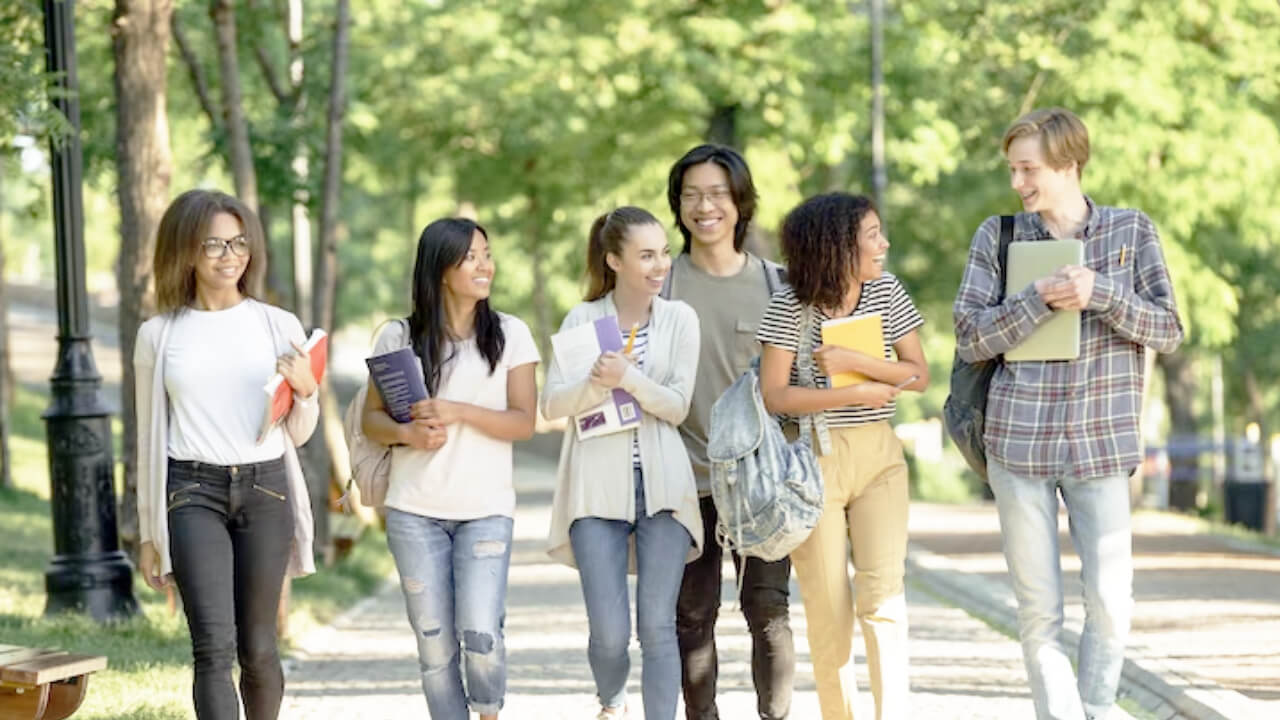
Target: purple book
{"x": 398, "y": 377}
{"x": 576, "y": 349}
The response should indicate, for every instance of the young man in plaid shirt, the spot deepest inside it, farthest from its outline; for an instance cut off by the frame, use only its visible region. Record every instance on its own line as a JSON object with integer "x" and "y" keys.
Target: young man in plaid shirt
{"x": 1068, "y": 425}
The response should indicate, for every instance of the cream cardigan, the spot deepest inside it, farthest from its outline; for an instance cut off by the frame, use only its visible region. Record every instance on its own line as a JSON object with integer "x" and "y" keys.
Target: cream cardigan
{"x": 152, "y": 408}
{"x": 594, "y": 478}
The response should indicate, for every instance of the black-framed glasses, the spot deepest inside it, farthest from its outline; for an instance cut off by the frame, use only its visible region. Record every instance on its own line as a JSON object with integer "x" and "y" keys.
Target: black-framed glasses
{"x": 216, "y": 247}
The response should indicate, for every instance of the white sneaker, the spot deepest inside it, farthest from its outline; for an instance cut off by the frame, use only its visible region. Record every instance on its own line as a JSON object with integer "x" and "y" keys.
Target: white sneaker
{"x": 612, "y": 713}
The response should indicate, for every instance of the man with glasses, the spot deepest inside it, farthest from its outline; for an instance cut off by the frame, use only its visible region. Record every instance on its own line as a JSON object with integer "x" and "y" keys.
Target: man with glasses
{"x": 713, "y": 198}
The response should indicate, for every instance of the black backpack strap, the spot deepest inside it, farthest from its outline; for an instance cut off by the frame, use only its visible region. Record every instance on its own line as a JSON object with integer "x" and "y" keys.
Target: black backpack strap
{"x": 775, "y": 276}
{"x": 1006, "y": 237}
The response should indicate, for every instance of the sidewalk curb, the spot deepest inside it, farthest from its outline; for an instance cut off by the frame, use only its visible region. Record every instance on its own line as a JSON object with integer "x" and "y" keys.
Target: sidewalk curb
{"x": 1163, "y": 686}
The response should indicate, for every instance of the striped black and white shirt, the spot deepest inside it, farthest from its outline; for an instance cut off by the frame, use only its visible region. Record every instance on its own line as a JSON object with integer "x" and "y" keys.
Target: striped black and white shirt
{"x": 638, "y": 351}
{"x": 885, "y": 296}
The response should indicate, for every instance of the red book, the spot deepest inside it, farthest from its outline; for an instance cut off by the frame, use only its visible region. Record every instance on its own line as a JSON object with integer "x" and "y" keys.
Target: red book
{"x": 279, "y": 399}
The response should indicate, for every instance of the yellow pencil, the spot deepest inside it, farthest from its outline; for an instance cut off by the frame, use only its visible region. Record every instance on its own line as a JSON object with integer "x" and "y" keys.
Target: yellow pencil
{"x": 631, "y": 340}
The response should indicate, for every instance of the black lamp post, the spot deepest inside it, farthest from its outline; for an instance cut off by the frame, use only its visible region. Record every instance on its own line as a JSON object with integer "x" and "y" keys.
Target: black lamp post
{"x": 88, "y": 572}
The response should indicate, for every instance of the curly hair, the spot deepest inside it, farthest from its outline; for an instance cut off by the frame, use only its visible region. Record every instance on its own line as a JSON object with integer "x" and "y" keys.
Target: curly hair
{"x": 819, "y": 242}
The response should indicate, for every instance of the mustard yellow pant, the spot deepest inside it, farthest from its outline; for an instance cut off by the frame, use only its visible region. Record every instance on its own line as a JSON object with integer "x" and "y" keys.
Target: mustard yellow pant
{"x": 864, "y": 517}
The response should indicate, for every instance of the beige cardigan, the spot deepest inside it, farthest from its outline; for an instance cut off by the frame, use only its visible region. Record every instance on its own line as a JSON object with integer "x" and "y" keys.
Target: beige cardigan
{"x": 594, "y": 478}
{"x": 152, "y": 409}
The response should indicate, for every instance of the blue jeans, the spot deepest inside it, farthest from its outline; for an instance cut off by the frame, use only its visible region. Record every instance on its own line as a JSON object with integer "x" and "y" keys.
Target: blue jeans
{"x": 454, "y": 577}
{"x": 601, "y": 548}
{"x": 1098, "y": 510}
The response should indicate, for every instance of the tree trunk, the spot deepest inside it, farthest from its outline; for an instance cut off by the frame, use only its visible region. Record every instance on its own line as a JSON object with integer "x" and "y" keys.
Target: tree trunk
{"x": 278, "y": 291}
{"x": 722, "y": 129}
{"x": 239, "y": 149}
{"x": 331, "y": 198}
{"x": 320, "y": 463}
{"x": 6, "y": 388}
{"x": 879, "y": 174}
{"x": 300, "y": 216}
{"x": 144, "y": 165}
{"x": 1179, "y": 395}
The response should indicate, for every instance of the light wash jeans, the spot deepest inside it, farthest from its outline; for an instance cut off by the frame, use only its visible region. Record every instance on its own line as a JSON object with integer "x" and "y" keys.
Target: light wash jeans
{"x": 1098, "y": 511}
{"x": 601, "y": 548}
{"x": 454, "y": 577}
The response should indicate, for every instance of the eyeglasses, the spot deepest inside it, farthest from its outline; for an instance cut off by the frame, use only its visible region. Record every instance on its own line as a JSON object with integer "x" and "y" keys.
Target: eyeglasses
{"x": 216, "y": 247}
{"x": 693, "y": 198}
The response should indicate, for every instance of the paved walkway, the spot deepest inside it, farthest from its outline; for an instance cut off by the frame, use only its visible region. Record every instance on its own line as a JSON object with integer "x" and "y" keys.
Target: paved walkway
{"x": 1206, "y": 628}
{"x": 365, "y": 665}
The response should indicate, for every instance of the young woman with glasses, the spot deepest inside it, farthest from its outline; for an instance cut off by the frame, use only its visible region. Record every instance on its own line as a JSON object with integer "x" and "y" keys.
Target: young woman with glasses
{"x": 221, "y": 515}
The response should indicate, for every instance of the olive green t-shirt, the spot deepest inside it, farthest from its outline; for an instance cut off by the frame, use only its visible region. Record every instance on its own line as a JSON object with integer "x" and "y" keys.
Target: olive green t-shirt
{"x": 729, "y": 311}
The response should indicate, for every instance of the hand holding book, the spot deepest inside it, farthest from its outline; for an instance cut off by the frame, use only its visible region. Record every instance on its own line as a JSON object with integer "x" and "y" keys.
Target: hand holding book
{"x": 296, "y": 373}
{"x": 296, "y": 369}
{"x": 437, "y": 411}
{"x": 609, "y": 368}
{"x": 833, "y": 360}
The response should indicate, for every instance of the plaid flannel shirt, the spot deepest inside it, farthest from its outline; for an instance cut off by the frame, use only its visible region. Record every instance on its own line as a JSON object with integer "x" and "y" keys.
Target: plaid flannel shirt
{"x": 1070, "y": 418}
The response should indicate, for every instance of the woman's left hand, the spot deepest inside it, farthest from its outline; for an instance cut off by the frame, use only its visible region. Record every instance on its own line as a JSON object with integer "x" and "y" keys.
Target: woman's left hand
{"x": 609, "y": 368}
{"x": 444, "y": 412}
{"x": 833, "y": 359}
{"x": 296, "y": 369}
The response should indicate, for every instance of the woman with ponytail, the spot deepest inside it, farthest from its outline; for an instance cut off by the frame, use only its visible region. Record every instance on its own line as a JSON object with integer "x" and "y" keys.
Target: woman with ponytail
{"x": 627, "y": 500}
{"x": 450, "y": 502}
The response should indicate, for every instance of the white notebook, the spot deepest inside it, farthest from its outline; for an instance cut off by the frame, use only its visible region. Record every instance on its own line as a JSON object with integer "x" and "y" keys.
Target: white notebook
{"x": 1057, "y": 338}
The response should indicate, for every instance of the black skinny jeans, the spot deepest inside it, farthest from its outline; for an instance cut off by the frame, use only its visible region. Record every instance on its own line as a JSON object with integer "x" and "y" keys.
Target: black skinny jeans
{"x": 230, "y": 529}
{"x": 764, "y": 603}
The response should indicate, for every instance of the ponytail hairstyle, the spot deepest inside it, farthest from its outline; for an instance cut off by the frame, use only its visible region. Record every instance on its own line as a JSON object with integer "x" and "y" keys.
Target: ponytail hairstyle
{"x": 608, "y": 235}
{"x": 444, "y": 244}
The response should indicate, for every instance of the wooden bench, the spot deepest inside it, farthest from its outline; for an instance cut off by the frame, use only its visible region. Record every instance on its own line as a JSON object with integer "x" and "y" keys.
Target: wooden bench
{"x": 43, "y": 684}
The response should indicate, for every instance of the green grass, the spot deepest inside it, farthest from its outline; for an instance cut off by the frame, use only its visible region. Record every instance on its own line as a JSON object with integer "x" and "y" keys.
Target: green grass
{"x": 149, "y": 656}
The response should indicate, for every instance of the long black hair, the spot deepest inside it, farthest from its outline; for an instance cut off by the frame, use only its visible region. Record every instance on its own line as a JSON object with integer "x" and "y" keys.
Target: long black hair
{"x": 741, "y": 187}
{"x": 444, "y": 244}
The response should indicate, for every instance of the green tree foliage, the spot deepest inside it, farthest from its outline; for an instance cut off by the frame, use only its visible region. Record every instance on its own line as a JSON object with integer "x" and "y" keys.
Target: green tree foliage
{"x": 542, "y": 114}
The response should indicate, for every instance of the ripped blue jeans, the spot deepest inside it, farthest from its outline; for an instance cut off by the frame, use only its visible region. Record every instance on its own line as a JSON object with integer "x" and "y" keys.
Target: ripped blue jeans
{"x": 454, "y": 577}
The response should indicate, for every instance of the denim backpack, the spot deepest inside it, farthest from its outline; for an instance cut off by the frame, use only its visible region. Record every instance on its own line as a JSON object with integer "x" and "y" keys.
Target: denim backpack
{"x": 767, "y": 492}
{"x": 965, "y": 410}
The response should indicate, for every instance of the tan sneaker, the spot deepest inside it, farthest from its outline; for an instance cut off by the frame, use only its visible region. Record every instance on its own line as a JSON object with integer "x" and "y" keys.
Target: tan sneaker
{"x": 612, "y": 713}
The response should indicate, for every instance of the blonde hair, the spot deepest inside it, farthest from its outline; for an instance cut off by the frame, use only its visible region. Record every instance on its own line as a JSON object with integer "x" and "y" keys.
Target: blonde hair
{"x": 182, "y": 230}
{"x": 1063, "y": 137}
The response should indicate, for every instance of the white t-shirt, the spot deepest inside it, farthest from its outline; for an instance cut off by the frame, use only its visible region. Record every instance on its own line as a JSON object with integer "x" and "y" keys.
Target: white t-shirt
{"x": 215, "y": 365}
{"x": 469, "y": 477}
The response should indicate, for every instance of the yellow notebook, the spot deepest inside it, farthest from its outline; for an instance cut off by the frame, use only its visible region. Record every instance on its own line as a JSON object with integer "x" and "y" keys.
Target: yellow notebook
{"x": 864, "y": 333}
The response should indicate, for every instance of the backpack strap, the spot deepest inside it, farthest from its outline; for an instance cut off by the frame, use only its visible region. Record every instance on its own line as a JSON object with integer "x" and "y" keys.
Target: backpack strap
{"x": 1006, "y": 237}
{"x": 812, "y": 422}
{"x": 775, "y": 276}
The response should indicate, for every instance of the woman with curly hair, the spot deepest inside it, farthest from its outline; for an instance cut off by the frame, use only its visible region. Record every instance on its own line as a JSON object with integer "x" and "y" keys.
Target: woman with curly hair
{"x": 835, "y": 254}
